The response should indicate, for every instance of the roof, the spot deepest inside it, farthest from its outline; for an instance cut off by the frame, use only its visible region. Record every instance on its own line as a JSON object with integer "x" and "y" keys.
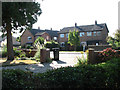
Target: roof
{"x": 52, "y": 33}
{"x": 84, "y": 28}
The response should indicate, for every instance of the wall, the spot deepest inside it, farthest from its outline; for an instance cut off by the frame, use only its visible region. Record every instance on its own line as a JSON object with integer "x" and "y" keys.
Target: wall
{"x": 24, "y": 38}
{"x": 93, "y": 56}
{"x": 99, "y": 47}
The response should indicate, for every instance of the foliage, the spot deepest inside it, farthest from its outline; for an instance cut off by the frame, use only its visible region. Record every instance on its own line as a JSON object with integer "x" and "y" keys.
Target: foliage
{"x": 107, "y": 54}
{"x": 17, "y": 53}
{"x": 74, "y": 39}
{"x": 82, "y": 60}
{"x": 39, "y": 41}
{"x": 37, "y": 55}
{"x": 104, "y": 75}
{"x": 51, "y": 45}
{"x": 115, "y": 42}
{"x": 22, "y": 15}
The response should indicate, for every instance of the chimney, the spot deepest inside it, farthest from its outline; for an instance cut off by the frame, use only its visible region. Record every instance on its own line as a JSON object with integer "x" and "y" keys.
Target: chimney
{"x": 51, "y": 29}
{"x": 75, "y": 24}
{"x": 95, "y": 22}
{"x": 39, "y": 28}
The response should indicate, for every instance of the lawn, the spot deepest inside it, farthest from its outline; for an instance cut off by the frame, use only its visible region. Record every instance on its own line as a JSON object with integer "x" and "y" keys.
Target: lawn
{"x": 17, "y": 62}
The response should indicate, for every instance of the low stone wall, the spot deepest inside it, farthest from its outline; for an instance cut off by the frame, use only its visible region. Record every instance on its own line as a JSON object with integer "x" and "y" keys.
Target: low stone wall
{"x": 99, "y": 47}
{"x": 29, "y": 53}
{"x": 93, "y": 56}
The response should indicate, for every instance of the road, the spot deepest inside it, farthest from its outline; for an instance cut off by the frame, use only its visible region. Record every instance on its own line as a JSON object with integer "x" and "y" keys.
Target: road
{"x": 69, "y": 57}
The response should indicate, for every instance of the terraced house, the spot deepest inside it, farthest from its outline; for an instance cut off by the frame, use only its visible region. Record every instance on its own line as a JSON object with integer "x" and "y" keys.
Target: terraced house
{"x": 29, "y": 36}
{"x": 89, "y": 34}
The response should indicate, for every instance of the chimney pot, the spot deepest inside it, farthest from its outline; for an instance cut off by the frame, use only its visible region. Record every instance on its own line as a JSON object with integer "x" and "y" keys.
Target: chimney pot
{"x": 75, "y": 24}
{"x": 39, "y": 28}
{"x": 95, "y": 22}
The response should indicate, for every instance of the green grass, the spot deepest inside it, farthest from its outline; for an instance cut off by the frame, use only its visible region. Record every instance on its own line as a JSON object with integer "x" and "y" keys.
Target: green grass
{"x": 17, "y": 62}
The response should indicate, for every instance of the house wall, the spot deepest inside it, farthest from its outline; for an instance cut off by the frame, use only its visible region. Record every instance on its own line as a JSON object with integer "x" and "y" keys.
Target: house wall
{"x": 24, "y": 37}
{"x": 45, "y": 35}
{"x": 85, "y": 38}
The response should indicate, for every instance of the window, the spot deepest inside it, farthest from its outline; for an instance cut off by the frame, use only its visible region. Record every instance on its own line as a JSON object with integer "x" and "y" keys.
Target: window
{"x": 55, "y": 38}
{"x": 47, "y": 38}
{"x": 99, "y": 33}
{"x": 89, "y": 33}
{"x": 62, "y": 44}
{"x": 62, "y": 35}
{"x": 94, "y": 33}
{"x": 82, "y": 34}
{"x": 66, "y": 35}
{"x": 29, "y": 38}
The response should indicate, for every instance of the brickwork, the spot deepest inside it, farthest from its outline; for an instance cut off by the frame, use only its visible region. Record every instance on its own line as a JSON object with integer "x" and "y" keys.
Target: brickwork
{"x": 24, "y": 37}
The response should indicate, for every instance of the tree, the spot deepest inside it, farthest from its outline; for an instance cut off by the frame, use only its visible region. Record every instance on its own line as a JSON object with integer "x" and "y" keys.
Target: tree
{"x": 39, "y": 41}
{"x": 115, "y": 42}
{"x": 74, "y": 39}
{"x": 18, "y": 16}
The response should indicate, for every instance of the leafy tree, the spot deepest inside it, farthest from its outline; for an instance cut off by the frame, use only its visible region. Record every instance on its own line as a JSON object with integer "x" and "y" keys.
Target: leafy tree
{"x": 17, "y": 16}
{"x": 74, "y": 39}
{"x": 115, "y": 42}
{"x": 39, "y": 41}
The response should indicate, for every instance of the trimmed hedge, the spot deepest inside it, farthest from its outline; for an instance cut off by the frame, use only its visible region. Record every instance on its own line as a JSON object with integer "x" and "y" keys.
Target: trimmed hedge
{"x": 51, "y": 45}
{"x": 105, "y": 75}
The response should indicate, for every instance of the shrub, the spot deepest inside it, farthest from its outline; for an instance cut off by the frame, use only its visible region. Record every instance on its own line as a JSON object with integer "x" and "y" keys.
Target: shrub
{"x": 51, "y": 45}
{"x": 4, "y": 51}
{"x": 37, "y": 55}
{"x": 104, "y": 75}
{"x": 107, "y": 54}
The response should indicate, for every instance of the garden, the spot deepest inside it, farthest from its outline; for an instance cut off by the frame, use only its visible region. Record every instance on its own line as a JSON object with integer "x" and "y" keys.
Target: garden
{"x": 83, "y": 75}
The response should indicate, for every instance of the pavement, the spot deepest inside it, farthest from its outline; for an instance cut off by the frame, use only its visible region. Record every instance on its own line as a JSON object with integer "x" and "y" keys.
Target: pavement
{"x": 65, "y": 59}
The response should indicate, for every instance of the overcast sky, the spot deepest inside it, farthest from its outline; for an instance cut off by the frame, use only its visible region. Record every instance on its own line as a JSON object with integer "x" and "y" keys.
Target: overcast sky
{"x": 57, "y": 14}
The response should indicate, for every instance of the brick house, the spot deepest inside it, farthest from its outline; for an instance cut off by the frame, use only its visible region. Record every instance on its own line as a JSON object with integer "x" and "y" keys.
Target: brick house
{"x": 29, "y": 36}
{"x": 89, "y": 34}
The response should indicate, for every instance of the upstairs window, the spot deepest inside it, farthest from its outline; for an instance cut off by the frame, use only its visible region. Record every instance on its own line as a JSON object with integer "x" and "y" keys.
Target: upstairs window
{"x": 98, "y": 33}
{"x": 62, "y": 35}
{"x": 89, "y": 33}
{"x": 94, "y": 33}
{"x": 29, "y": 38}
{"x": 67, "y": 35}
{"x": 82, "y": 34}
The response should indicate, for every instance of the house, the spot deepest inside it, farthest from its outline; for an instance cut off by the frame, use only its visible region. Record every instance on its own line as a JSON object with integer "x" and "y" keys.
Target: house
{"x": 29, "y": 36}
{"x": 89, "y": 34}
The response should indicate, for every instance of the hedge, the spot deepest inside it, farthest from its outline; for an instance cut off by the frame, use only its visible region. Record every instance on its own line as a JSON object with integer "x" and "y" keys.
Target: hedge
{"x": 105, "y": 75}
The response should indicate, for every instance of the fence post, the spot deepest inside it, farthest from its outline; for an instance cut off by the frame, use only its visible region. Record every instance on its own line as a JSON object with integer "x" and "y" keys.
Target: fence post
{"x": 91, "y": 56}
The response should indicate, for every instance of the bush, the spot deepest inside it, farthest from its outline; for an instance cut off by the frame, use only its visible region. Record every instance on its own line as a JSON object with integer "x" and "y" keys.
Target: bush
{"x": 4, "y": 51}
{"x": 37, "y": 55}
{"x": 107, "y": 54}
{"x": 104, "y": 75}
{"x": 51, "y": 45}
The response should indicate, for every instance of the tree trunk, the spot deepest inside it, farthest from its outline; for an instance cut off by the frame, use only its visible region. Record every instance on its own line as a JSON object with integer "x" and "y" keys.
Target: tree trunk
{"x": 10, "y": 53}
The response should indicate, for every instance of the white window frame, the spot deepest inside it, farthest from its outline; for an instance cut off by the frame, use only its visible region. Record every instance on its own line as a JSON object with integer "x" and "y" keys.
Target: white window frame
{"x": 61, "y": 35}
{"x": 29, "y": 38}
{"x": 94, "y": 33}
{"x": 82, "y": 34}
{"x": 66, "y": 35}
{"x": 89, "y": 33}
{"x": 98, "y": 33}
